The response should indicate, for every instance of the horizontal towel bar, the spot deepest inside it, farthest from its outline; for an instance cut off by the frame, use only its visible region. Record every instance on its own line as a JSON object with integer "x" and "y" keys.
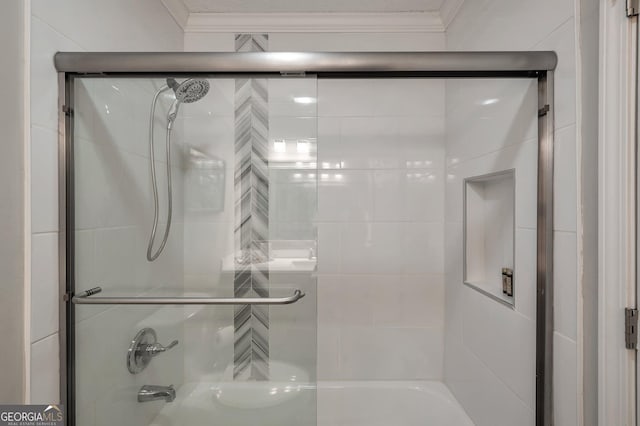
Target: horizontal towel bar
{"x": 85, "y": 298}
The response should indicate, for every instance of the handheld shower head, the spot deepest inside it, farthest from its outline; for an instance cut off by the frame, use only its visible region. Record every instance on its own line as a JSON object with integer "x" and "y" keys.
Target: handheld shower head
{"x": 190, "y": 90}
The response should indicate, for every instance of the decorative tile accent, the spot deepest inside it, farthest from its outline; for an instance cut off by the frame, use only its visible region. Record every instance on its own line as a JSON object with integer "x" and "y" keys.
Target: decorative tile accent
{"x": 251, "y": 232}
{"x": 252, "y": 42}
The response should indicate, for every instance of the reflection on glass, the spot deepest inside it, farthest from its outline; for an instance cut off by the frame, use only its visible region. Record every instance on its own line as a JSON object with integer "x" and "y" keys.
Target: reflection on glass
{"x": 205, "y": 182}
{"x": 203, "y": 256}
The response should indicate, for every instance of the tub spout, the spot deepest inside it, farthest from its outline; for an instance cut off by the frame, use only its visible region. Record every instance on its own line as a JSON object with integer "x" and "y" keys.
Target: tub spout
{"x": 153, "y": 393}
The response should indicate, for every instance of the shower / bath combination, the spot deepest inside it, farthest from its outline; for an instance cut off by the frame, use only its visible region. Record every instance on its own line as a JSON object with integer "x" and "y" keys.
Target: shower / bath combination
{"x": 189, "y": 91}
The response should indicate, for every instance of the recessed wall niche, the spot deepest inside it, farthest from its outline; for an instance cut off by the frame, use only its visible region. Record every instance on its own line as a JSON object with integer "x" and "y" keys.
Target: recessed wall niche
{"x": 489, "y": 210}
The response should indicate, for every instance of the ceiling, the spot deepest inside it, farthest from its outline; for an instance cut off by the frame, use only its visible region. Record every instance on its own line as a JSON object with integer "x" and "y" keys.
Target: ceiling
{"x": 311, "y": 6}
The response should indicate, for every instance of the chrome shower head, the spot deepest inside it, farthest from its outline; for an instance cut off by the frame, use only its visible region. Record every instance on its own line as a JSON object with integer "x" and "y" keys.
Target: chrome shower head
{"x": 190, "y": 90}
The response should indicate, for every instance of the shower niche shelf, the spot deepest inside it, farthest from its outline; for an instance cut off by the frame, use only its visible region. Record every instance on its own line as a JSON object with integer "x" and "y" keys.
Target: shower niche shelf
{"x": 489, "y": 234}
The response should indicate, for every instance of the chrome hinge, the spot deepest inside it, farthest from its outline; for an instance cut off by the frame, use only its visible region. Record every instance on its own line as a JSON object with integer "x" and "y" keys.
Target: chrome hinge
{"x": 632, "y": 7}
{"x": 631, "y": 328}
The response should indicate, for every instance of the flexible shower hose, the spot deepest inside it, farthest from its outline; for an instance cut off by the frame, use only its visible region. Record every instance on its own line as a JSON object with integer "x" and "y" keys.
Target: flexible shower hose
{"x": 151, "y": 255}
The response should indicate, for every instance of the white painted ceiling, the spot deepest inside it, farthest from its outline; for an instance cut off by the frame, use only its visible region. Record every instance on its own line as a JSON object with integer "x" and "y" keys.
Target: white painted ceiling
{"x": 310, "y": 6}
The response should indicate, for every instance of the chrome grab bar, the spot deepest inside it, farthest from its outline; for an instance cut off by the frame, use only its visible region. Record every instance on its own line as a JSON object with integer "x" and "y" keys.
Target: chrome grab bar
{"x": 85, "y": 299}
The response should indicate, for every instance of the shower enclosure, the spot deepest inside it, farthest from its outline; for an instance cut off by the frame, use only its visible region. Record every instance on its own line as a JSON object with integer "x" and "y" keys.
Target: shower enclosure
{"x": 287, "y": 193}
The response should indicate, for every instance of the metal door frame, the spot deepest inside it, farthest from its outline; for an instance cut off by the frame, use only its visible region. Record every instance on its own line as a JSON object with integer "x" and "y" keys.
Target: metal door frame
{"x": 528, "y": 64}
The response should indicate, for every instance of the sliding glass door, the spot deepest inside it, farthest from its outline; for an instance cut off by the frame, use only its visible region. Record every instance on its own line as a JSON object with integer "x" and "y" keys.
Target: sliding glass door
{"x": 194, "y": 188}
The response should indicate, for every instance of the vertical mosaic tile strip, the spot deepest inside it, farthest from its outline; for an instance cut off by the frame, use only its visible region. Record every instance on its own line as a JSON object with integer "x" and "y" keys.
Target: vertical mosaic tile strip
{"x": 251, "y": 232}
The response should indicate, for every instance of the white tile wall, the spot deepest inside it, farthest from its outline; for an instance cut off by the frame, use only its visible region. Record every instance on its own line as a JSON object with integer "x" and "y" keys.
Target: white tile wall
{"x": 220, "y": 42}
{"x": 327, "y": 42}
{"x": 565, "y": 180}
{"x": 493, "y": 339}
{"x": 484, "y": 397}
{"x": 380, "y": 210}
{"x": 391, "y": 353}
{"x": 111, "y": 387}
{"x": 44, "y": 165}
{"x": 44, "y": 277}
{"x": 407, "y": 195}
{"x": 506, "y": 25}
{"x": 293, "y": 328}
{"x": 565, "y": 376}
{"x": 382, "y": 300}
{"x": 380, "y": 229}
{"x": 354, "y": 195}
{"x": 45, "y": 369}
{"x": 565, "y": 279}
{"x": 526, "y": 245}
{"x": 114, "y": 25}
{"x": 501, "y": 339}
{"x": 45, "y": 42}
{"x": 493, "y": 122}
{"x": 487, "y": 117}
{"x": 208, "y": 233}
{"x": 562, "y": 41}
{"x": 322, "y": 42}
{"x": 365, "y": 141}
{"x": 363, "y": 319}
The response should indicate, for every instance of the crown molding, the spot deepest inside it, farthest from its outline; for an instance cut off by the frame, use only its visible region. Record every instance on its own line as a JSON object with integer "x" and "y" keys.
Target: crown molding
{"x": 396, "y": 22}
{"x": 449, "y": 10}
{"x": 178, "y": 10}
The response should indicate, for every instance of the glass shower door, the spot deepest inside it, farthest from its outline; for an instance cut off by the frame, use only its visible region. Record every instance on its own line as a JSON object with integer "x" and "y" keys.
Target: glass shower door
{"x": 233, "y": 164}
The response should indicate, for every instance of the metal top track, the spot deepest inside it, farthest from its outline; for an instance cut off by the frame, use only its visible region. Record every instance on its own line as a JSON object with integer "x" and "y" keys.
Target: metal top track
{"x": 342, "y": 64}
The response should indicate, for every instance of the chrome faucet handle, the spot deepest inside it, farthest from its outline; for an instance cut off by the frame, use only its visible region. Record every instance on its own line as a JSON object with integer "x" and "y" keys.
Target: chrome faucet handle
{"x": 144, "y": 347}
{"x": 156, "y": 348}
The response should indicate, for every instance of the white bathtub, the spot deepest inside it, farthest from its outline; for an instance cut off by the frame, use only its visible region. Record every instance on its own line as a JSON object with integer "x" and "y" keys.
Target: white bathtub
{"x": 420, "y": 403}
{"x": 423, "y": 403}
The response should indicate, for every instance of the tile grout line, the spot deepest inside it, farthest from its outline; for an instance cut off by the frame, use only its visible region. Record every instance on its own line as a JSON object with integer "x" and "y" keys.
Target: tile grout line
{"x": 45, "y": 337}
